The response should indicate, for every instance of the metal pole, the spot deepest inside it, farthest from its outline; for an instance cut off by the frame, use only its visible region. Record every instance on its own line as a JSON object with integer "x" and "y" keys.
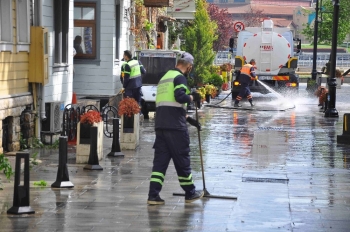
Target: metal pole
{"x": 331, "y": 111}
{"x": 314, "y": 70}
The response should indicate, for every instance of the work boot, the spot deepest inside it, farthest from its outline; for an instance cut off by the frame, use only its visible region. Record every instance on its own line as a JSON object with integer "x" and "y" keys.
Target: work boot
{"x": 195, "y": 196}
{"x": 155, "y": 200}
{"x": 237, "y": 105}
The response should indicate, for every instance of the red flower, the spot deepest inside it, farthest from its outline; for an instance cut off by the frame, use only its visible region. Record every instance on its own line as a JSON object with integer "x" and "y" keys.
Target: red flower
{"x": 91, "y": 117}
{"x": 128, "y": 106}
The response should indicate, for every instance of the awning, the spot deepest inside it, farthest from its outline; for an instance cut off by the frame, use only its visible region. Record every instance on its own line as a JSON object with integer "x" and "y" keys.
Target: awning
{"x": 182, "y": 9}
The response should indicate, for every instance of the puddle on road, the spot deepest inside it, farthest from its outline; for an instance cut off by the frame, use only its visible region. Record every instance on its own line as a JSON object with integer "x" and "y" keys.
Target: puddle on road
{"x": 269, "y": 146}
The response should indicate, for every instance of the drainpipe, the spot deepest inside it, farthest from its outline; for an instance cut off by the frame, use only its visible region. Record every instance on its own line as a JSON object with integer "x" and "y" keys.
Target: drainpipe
{"x": 39, "y": 22}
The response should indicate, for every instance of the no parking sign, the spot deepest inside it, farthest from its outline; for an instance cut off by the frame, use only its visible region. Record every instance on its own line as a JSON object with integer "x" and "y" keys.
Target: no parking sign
{"x": 238, "y": 26}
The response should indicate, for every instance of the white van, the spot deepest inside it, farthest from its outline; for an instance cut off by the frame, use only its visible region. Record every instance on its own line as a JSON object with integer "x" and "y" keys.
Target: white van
{"x": 156, "y": 63}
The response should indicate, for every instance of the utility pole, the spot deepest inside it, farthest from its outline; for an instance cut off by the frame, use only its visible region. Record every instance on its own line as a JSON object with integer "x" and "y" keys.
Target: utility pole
{"x": 314, "y": 71}
{"x": 331, "y": 111}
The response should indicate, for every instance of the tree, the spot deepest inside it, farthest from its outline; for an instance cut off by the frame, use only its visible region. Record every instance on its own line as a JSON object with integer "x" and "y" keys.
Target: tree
{"x": 253, "y": 17}
{"x": 326, "y": 26}
{"x": 199, "y": 36}
{"x": 225, "y": 26}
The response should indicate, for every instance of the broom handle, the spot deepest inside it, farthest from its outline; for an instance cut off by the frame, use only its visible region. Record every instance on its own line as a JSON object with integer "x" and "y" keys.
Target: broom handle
{"x": 200, "y": 148}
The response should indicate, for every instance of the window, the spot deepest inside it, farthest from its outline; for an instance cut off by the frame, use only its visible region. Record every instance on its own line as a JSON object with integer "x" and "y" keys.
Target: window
{"x": 85, "y": 30}
{"x": 61, "y": 24}
{"x": 23, "y": 25}
{"x": 239, "y": 1}
{"x": 5, "y": 25}
{"x": 223, "y": 1}
{"x": 117, "y": 30}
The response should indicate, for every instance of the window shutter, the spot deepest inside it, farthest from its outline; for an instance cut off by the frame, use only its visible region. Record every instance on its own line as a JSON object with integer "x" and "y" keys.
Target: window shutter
{"x": 5, "y": 21}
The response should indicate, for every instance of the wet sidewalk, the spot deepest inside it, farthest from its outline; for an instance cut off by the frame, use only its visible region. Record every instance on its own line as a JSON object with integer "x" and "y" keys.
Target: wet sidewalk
{"x": 285, "y": 168}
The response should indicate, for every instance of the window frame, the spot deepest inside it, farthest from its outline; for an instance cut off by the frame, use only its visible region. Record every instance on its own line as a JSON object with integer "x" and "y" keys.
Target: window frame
{"x": 22, "y": 45}
{"x": 95, "y": 57}
{"x": 61, "y": 30}
{"x": 7, "y": 45}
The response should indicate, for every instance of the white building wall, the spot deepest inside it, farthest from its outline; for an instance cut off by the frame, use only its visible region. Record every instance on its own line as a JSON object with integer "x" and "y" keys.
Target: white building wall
{"x": 59, "y": 88}
{"x": 103, "y": 79}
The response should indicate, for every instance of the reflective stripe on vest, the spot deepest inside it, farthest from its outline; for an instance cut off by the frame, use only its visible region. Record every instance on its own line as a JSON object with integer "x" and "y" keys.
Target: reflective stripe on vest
{"x": 165, "y": 91}
{"x": 135, "y": 69}
{"x": 246, "y": 69}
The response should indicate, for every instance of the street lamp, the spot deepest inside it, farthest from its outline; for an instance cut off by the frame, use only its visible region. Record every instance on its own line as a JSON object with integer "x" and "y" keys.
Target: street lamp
{"x": 314, "y": 71}
{"x": 331, "y": 111}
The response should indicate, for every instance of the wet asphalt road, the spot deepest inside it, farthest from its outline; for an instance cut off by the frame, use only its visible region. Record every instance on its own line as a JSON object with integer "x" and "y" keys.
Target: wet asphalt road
{"x": 281, "y": 160}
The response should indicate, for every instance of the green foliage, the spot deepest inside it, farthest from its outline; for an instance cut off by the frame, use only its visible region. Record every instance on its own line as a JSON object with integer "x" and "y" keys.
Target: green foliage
{"x": 40, "y": 183}
{"x": 5, "y": 166}
{"x": 174, "y": 30}
{"x": 216, "y": 80}
{"x": 33, "y": 160}
{"x": 199, "y": 37}
{"x": 55, "y": 145}
{"x": 325, "y": 28}
{"x": 36, "y": 143}
{"x": 22, "y": 142}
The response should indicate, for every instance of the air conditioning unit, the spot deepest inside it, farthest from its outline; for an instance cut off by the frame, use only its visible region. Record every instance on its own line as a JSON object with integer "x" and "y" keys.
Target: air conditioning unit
{"x": 54, "y": 115}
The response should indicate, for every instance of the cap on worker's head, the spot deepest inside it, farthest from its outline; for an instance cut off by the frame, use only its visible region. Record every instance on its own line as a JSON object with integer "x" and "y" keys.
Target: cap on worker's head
{"x": 251, "y": 61}
{"x": 187, "y": 57}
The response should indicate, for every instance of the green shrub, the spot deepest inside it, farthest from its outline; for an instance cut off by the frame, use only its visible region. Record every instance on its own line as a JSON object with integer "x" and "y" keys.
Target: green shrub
{"x": 5, "y": 166}
{"x": 215, "y": 80}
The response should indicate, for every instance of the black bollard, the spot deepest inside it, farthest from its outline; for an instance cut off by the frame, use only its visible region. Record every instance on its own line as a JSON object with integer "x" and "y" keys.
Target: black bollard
{"x": 62, "y": 179}
{"x": 345, "y": 137}
{"x": 93, "y": 163}
{"x": 21, "y": 192}
{"x": 116, "y": 152}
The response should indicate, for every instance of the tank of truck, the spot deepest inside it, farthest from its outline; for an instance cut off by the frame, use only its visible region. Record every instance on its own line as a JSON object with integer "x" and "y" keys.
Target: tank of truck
{"x": 273, "y": 51}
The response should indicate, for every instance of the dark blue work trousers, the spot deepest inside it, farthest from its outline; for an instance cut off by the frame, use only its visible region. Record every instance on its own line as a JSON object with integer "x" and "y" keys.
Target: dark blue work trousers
{"x": 175, "y": 145}
{"x": 134, "y": 93}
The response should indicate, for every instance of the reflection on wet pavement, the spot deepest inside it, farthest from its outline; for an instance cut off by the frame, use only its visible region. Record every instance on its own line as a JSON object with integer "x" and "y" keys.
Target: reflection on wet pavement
{"x": 285, "y": 167}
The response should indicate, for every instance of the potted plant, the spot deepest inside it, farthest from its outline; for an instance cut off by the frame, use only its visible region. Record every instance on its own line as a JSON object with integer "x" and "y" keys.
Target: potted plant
{"x": 216, "y": 80}
{"x": 210, "y": 92}
{"x": 127, "y": 108}
{"x": 87, "y": 120}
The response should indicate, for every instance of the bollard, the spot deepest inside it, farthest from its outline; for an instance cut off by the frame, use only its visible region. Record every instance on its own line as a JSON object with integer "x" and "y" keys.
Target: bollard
{"x": 93, "y": 163}
{"x": 62, "y": 179}
{"x": 21, "y": 192}
{"x": 345, "y": 137}
{"x": 116, "y": 152}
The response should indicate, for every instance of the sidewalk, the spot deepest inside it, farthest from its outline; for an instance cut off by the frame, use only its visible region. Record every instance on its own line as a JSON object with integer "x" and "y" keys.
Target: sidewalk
{"x": 286, "y": 169}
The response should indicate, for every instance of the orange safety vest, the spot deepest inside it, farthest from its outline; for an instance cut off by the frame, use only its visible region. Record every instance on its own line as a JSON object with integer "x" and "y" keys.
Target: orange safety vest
{"x": 246, "y": 69}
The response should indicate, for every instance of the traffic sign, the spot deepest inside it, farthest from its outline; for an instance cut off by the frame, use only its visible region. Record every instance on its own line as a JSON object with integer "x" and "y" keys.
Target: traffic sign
{"x": 238, "y": 26}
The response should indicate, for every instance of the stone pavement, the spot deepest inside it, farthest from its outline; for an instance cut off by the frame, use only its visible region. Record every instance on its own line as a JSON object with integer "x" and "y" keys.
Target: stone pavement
{"x": 285, "y": 167}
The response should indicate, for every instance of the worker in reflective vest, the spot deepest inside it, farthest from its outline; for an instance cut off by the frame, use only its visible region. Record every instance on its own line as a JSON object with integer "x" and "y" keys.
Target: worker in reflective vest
{"x": 246, "y": 75}
{"x": 172, "y": 138}
{"x": 132, "y": 82}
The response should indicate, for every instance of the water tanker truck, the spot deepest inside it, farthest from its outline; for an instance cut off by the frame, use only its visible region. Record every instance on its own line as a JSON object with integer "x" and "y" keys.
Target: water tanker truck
{"x": 273, "y": 50}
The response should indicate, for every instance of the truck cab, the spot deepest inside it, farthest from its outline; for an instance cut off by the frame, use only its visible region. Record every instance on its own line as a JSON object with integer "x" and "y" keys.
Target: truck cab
{"x": 156, "y": 63}
{"x": 273, "y": 50}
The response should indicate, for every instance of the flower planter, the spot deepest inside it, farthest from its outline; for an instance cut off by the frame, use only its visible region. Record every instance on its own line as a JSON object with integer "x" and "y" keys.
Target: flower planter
{"x": 128, "y": 124}
{"x": 207, "y": 98}
{"x": 130, "y": 140}
{"x": 85, "y": 133}
{"x": 83, "y": 149}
